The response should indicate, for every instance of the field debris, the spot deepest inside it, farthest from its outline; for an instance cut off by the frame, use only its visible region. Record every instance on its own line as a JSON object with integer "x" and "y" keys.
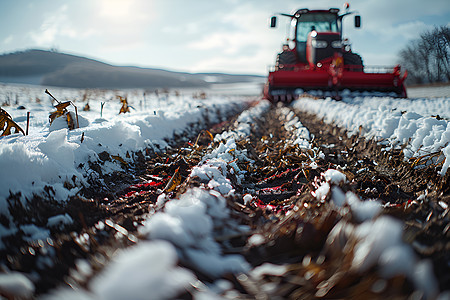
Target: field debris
{"x": 62, "y": 112}
{"x": 125, "y": 107}
{"x": 7, "y": 124}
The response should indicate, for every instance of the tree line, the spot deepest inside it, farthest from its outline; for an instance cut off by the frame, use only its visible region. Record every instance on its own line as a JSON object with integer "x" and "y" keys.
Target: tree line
{"x": 427, "y": 58}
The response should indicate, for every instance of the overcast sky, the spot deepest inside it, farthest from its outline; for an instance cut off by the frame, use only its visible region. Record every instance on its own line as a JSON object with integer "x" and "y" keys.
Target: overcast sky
{"x": 202, "y": 35}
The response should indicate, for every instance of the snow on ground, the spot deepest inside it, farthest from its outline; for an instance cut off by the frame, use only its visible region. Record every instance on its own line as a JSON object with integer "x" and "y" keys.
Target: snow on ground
{"x": 191, "y": 223}
{"x": 146, "y": 271}
{"x": 428, "y": 91}
{"x": 244, "y": 122}
{"x": 421, "y": 124}
{"x": 378, "y": 239}
{"x": 59, "y": 158}
{"x": 185, "y": 229}
{"x": 16, "y": 284}
{"x": 300, "y": 134}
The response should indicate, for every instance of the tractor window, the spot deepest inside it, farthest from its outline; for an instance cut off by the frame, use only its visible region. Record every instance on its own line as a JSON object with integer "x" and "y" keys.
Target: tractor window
{"x": 316, "y": 21}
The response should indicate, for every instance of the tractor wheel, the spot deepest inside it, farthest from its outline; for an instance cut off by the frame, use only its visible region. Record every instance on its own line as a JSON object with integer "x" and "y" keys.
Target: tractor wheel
{"x": 284, "y": 59}
{"x": 354, "y": 60}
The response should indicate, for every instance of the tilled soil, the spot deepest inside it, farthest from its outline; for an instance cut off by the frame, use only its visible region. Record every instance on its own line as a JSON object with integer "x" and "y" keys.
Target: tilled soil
{"x": 373, "y": 174}
{"x": 292, "y": 223}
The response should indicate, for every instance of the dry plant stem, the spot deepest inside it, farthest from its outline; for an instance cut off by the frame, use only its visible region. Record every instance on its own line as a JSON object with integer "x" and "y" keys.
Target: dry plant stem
{"x": 101, "y": 109}
{"x": 76, "y": 113}
{"x": 48, "y": 93}
{"x": 28, "y": 122}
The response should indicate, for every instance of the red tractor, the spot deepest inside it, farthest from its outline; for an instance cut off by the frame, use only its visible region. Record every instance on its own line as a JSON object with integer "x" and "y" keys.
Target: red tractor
{"x": 320, "y": 60}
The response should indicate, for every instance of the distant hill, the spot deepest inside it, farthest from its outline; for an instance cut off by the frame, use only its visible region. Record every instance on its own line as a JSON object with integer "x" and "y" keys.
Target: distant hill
{"x": 64, "y": 70}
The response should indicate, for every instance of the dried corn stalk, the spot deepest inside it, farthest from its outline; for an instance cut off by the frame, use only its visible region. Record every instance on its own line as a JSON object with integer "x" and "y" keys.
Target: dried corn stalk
{"x": 125, "y": 108}
{"x": 6, "y": 124}
{"x": 209, "y": 134}
{"x": 174, "y": 181}
{"x": 61, "y": 110}
{"x": 119, "y": 159}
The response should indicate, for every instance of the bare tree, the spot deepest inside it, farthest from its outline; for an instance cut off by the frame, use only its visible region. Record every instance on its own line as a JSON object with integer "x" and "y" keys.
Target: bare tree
{"x": 427, "y": 58}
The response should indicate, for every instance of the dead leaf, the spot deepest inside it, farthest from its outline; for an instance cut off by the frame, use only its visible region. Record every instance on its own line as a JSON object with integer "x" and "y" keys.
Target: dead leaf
{"x": 120, "y": 159}
{"x": 210, "y": 135}
{"x": 61, "y": 109}
{"x": 125, "y": 108}
{"x": 174, "y": 181}
{"x": 6, "y": 120}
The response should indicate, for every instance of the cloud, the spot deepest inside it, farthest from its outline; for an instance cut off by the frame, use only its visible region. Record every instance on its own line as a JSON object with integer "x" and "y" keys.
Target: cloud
{"x": 399, "y": 18}
{"x": 100, "y": 25}
{"x": 125, "y": 11}
{"x": 120, "y": 24}
{"x": 226, "y": 42}
{"x": 46, "y": 33}
{"x": 242, "y": 64}
{"x": 229, "y": 35}
{"x": 411, "y": 30}
{"x": 188, "y": 29}
{"x": 399, "y": 32}
{"x": 244, "y": 41}
{"x": 53, "y": 26}
{"x": 121, "y": 17}
{"x": 8, "y": 39}
{"x": 395, "y": 12}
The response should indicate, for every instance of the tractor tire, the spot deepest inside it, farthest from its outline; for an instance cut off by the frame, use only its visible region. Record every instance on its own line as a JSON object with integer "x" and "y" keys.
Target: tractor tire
{"x": 285, "y": 60}
{"x": 354, "y": 60}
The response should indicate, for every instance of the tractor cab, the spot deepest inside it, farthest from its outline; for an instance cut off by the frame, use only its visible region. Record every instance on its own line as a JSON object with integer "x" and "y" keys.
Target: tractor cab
{"x": 319, "y": 29}
{"x": 316, "y": 34}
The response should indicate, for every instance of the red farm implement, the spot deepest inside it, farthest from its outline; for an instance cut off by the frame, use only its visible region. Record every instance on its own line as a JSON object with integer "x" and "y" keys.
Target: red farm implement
{"x": 318, "y": 59}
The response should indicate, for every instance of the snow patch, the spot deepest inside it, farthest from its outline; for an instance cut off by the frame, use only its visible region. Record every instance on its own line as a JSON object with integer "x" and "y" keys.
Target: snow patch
{"x": 334, "y": 176}
{"x": 57, "y": 159}
{"x": 411, "y": 122}
{"x": 16, "y": 284}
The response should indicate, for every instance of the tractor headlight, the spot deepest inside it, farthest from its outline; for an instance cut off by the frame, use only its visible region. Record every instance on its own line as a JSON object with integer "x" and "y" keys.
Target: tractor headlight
{"x": 336, "y": 44}
{"x": 319, "y": 44}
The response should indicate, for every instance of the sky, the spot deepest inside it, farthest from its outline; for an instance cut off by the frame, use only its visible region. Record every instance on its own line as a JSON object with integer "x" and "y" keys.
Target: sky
{"x": 231, "y": 36}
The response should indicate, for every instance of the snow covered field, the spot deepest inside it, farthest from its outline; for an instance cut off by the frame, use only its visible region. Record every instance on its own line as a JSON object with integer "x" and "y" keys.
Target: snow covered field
{"x": 56, "y": 157}
{"x": 184, "y": 229}
{"x": 421, "y": 124}
{"x": 49, "y": 156}
{"x": 429, "y": 92}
